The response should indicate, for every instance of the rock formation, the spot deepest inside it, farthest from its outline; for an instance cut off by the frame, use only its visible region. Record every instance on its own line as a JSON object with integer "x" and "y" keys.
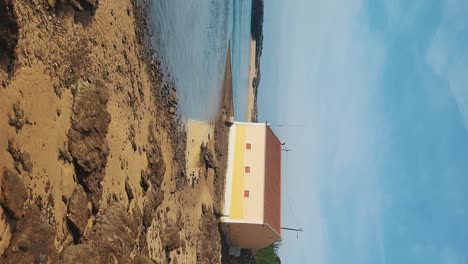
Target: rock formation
{"x": 13, "y": 194}
{"x": 87, "y": 141}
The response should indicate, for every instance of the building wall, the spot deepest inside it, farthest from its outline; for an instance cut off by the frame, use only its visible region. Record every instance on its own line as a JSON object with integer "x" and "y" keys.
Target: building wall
{"x": 237, "y": 207}
{"x": 253, "y": 236}
{"x": 254, "y": 181}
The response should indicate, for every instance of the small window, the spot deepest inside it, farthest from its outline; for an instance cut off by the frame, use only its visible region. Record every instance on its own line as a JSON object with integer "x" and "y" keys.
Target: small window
{"x": 248, "y": 146}
{"x": 247, "y": 169}
{"x": 246, "y": 193}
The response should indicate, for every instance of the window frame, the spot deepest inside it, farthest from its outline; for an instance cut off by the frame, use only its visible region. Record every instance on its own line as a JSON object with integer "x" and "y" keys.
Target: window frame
{"x": 248, "y": 146}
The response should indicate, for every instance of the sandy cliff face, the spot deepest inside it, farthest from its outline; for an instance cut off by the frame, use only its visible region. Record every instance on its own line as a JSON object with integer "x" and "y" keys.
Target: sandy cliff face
{"x": 92, "y": 155}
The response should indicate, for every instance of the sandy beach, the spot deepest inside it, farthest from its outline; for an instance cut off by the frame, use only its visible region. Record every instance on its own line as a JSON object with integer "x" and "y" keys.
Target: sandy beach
{"x": 251, "y": 110}
{"x": 94, "y": 160}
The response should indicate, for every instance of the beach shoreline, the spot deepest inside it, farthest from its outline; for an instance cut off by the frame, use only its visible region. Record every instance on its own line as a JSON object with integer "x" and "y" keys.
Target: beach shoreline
{"x": 90, "y": 131}
{"x": 252, "y": 112}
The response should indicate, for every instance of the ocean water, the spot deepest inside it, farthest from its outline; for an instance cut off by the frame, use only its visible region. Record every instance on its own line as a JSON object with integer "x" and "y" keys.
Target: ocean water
{"x": 192, "y": 38}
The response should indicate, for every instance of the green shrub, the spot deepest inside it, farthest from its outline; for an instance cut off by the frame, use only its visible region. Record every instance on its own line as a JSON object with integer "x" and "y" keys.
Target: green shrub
{"x": 268, "y": 255}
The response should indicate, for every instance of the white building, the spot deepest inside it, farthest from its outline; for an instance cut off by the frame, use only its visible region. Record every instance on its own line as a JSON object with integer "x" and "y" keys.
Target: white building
{"x": 252, "y": 201}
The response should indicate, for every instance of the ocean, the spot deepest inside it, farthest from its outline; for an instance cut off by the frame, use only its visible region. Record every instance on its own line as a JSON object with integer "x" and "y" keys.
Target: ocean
{"x": 192, "y": 38}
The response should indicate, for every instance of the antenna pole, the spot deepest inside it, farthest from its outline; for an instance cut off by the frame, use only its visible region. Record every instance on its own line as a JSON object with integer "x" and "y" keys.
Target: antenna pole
{"x": 281, "y": 125}
{"x": 293, "y": 229}
{"x": 297, "y": 230}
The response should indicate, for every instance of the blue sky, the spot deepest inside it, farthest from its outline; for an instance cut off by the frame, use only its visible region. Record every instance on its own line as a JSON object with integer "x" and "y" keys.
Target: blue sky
{"x": 379, "y": 171}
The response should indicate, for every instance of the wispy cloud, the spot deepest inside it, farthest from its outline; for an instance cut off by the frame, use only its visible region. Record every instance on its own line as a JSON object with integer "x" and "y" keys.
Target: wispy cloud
{"x": 362, "y": 152}
{"x": 401, "y": 14}
{"x": 334, "y": 69}
{"x": 449, "y": 256}
{"x": 448, "y": 55}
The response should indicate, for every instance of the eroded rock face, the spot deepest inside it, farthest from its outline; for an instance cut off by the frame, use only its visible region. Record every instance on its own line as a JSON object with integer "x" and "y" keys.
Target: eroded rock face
{"x": 8, "y": 36}
{"x": 171, "y": 238}
{"x": 156, "y": 164}
{"x": 87, "y": 141}
{"x": 13, "y": 194}
{"x": 144, "y": 181}
{"x": 129, "y": 191}
{"x": 16, "y": 119}
{"x": 33, "y": 240}
{"x": 111, "y": 239}
{"x": 21, "y": 157}
{"x": 79, "y": 5}
{"x": 208, "y": 157}
{"x": 153, "y": 176}
{"x": 131, "y": 137}
{"x": 77, "y": 218}
{"x": 80, "y": 252}
{"x": 208, "y": 244}
{"x": 153, "y": 200}
{"x": 85, "y": 5}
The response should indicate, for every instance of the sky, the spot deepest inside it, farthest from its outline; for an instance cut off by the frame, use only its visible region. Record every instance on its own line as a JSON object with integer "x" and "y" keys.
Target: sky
{"x": 379, "y": 167}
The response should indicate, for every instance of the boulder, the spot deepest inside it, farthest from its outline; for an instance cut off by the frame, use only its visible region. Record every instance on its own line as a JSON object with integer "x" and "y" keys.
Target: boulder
{"x": 111, "y": 240}
{"x": 208, "y": 157}
{"x": 13, "y": 194}
{"x": 87, "y": 143}
{"x": 16, "y": 119}
{"x": 21, "y": 157}
{"x": 77, "y": 217}
{"x": 33, "y": 240}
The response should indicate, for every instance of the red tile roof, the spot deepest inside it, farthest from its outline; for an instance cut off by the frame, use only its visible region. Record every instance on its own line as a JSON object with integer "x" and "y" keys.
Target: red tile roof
{"x": 272, "y": 213}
